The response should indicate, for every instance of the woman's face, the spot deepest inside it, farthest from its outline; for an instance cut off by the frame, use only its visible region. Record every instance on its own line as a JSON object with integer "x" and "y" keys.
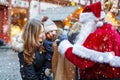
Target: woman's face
{"x": 51, "y": 34}
{"x": 42, "y": 35}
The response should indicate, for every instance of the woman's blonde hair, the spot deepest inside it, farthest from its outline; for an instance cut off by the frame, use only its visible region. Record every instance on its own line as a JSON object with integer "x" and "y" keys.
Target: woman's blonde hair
{"x": 31, "y": 32}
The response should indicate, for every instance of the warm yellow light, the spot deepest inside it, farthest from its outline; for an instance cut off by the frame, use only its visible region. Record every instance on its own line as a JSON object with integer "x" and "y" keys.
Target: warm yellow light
{"x": 15, "y": 30}
{"x": 110, "y": 15}
{"x": 80, "y": 11}
{"x": 70, "y": 14}
{"x": 72, "y": 3}
{"x": 25, "y": 19}
{"x": 79, "y": 8}
{"x": 12, "y": 12}
{"x": 116, "y": 22}
{"x": 113, "y": 19}
{"x": 66, "y": 19}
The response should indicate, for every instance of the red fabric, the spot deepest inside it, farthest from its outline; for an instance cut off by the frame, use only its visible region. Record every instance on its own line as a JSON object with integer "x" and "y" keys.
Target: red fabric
{"x": 5, "y": 37}
{"x": 95, "y": 8}
{"x": 80, "y": 62}
{"x": 103, "y": 39}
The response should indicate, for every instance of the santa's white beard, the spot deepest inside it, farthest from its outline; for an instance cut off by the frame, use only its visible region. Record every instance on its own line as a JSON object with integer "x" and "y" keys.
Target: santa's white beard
{"x": 86, "y": 29}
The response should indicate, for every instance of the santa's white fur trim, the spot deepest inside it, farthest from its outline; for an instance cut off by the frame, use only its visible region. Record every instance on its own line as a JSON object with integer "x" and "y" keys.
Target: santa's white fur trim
{"x": 101, "y": 57}
{"x": 87, "y": 16}
{"x": 115, "y": 61}
{"x": 63, "y": 46}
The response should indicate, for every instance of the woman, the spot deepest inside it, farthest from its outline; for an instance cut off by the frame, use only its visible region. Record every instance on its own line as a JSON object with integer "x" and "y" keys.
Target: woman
{"x": 32, "y": 58}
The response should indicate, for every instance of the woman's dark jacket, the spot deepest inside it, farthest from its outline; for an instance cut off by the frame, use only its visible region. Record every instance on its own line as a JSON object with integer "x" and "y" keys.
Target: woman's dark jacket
{"x": 31, "y": 71}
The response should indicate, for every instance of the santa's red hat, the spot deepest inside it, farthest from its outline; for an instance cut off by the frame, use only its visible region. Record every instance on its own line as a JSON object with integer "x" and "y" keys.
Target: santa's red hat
{"x": 93, "y": 11}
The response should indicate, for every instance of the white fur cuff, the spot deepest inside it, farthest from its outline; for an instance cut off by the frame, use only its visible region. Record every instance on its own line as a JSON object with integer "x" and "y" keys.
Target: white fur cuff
{"x": 63, "y": 46}
{"x": 101, "y": 57}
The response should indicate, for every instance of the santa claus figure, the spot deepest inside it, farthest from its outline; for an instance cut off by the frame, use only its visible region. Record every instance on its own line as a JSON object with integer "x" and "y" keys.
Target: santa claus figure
{"x": 97, "y": 48}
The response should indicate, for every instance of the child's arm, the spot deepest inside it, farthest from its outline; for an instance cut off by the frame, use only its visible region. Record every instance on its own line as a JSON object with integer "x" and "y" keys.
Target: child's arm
{"x": 48, "y": 45}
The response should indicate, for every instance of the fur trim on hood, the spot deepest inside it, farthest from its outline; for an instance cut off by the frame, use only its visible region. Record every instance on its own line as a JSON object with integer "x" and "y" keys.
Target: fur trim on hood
{"x": 17, "y": 43}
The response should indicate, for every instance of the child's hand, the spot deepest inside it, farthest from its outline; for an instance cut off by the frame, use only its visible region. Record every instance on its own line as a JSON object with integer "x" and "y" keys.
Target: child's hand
{"x": 61, "y": 38}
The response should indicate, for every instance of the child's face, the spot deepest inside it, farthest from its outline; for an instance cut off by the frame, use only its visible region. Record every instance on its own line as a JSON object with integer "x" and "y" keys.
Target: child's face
{"x": 51, "y": 34}
{"x": 42, "y": 35}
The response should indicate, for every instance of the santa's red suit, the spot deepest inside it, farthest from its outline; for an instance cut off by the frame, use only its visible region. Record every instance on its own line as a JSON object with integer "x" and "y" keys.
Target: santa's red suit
{"x": 95, "y": 65}
{"x": 95, "y": 58}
